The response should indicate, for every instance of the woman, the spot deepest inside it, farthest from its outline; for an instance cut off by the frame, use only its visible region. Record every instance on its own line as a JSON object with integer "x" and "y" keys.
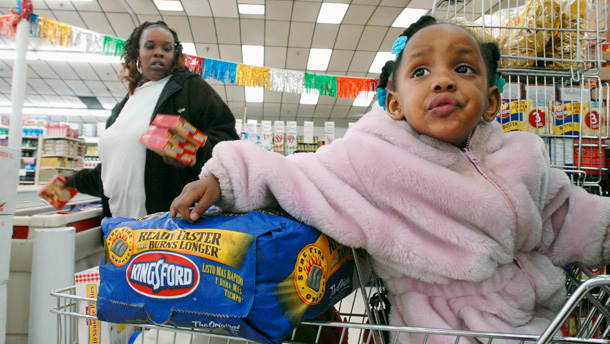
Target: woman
{"x": 131, "y": 180}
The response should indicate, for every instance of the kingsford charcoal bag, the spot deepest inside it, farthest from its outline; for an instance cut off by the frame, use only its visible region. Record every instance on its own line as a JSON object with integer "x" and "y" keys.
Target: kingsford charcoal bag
{"x": 255, "y": 275}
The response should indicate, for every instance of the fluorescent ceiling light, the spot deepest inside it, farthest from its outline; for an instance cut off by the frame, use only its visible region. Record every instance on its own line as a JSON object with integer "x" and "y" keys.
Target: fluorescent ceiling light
{"x": 253, "y": 55}
{"x": 251, "y": 9}
{"x": 254, "y": 94}
{"x": 380, "y": 59}
{"x": 189, "y": 49}
{"x": 408, "y": 17}
{"x": 319, "y": 59}
{"x": 364, "y": 98}
{"x": 309, "y": 98}
{"x": 332, "y": 13}
{"x": 166, "y": 5}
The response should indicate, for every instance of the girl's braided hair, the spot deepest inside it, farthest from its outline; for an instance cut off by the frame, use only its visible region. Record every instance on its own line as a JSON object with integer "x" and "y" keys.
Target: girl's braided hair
{"x": 490, "y": 52}
{"x": 129, "y": 71}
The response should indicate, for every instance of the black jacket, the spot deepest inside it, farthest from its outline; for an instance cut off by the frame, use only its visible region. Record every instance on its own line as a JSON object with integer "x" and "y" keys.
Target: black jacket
{"x": 185, "y": 94}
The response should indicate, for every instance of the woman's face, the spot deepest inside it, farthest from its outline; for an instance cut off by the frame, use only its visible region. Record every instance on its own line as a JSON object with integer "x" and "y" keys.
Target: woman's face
{"x": 156, "y": 53}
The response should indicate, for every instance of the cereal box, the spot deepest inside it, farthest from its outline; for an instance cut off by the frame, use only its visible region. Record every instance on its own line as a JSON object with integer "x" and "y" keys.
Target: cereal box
{"x": 518, "y": 110}
{"x": 504, "y": 115}
{"x": 175, "y": 140}
{"x": 55, "y": 193}
{"x": 571, "y": 122}
{"x": 181, "y": 126}
{"x": 558, "y": 116}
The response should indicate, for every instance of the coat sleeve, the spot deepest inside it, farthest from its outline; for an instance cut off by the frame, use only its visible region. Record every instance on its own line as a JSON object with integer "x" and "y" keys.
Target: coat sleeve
{"x": 306, "y": 185}
{"x": 211, "y": 115}
{"x": 87, "y": 180}
{"x": 575, "y": 223}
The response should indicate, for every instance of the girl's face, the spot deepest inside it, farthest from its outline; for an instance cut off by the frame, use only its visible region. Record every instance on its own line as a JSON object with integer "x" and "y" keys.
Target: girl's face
{"x": 441, "y": 85}
{"x": 156, "y": 53}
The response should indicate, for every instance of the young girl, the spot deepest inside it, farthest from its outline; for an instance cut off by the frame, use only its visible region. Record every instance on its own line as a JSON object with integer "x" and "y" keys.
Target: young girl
{"x": 466, "y": 225}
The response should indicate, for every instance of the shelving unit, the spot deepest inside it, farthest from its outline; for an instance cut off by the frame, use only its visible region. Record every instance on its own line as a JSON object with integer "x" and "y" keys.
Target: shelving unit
{"x": 61, "y": 155}
{"x": 29, "y": 153}
{"x": 92, "y": 157}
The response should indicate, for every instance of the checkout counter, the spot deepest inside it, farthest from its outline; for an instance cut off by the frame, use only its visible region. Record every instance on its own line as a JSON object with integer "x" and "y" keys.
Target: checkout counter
{"x": 31, "y": 212}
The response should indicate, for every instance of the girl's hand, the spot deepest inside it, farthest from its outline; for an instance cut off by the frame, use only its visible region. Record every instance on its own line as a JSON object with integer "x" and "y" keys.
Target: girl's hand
{"x": 205, "y": 192}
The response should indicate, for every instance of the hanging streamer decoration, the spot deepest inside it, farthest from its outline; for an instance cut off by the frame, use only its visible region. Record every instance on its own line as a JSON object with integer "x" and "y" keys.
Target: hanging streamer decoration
{"x": 8, "y": 26}
{"x": 253, "y": 76}
{"x": 87, "y": 42}
{"x": 326, "y": 84}
{"x": 194, "y": 64}
{"x": 54, "y": 32}
{"x": 287, "y": 81}
{"x": 113, "y": 46}
{"x": 219, "y": 70}
{"x": 352, "y": 87}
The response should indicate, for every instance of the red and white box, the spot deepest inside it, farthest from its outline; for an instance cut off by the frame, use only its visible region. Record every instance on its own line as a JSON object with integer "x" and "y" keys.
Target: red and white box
{"x": 176, "y": 140}
{"x": 181, "y": 127}
{"x": 87, "y": 283}
{"x": 163, "y": 146}
{"x": 56, "y": 193}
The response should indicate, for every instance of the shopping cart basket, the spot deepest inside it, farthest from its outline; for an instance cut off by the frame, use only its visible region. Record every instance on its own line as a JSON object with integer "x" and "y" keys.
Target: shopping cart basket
{"x": 584, "y": 318}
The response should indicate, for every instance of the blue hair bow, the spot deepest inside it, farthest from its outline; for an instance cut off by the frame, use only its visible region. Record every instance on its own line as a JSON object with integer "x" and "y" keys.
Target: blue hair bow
{"x": 399, "y": 45}
{"x": 382, "y": 93}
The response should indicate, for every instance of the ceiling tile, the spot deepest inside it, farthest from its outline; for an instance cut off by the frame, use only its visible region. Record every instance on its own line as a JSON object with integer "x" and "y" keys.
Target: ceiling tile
{"x": 5, "y": 87}
{"x": 105, "y": 71}
{"x": 325, "y": 36}
{"x": 255, "y": 111}
{"x": 371, "y": 38}
{"x": 344, "y": 102}
{"x": 40, "y": 86}
{"x": 41, "y": 70}
{"x": 4, "y": 100}
{"x": 422, "y": 4}
{"x": 396, "y": 3}
{"x": 122, "y": 24}
{"x": 297, "y": 59}
{"x": 276, "y": 33}
{"x": 385, "y": 16}
{"x": 113, "y": 5}
{"x": 6, "y": 69}
{"x": 98, "y": 23}
{"x": 341, "y": 110}
{"x": 300, "y": 34}
{"x": 35, "y": 100}
{"x": 358, "y": 14}
{"x": 60, "y": 87}
{"x": 323, "y": 111}
{"x": 55, "y": 101}
{"x": 361, "y": 63}
{"x": 278, "y": 10}
{"x": 305, "y": 11}
{"x": 325, "y": 100}
{"x": 390, "y": 36}
{"x": 84, "y": 71}
{"x": 58, "y": 6}
{"x": 221, "y": 90}
{"x": 230, "y": 53}
{"x": 181, "y": 26}
{"x": 273, "y": 97}
{"x": 208, "y": 51}
{"x": 237, "y": 108}
{"x": 348, "y": 36}
{"x": 107, "y": 102}
{"x": 228, "y": 31}
{"x": 98, "y": 88}
{"x": 306, "y": 111}
{"x": 224, "y": 8}
{"x": 252, "y": 32}
{"x": 275, "y": 57}
{"x": 92, "y": 6}
{"x": 116, "y": 88}
{"x": 340, "y": 61}
{"x": 290, "y": 98}
{"x": 272, "y": 111}
{"x": 204, "y": 30}
{"x": 63, "y": 69}
{"x": 197, "y": 8}
{"x": 288, "y": 112}
{"x": 368, "y": 2}
{"x": 79, "y": 88}
{"x": 72, "y": 101}
{"x": 142, "y": 7}
{"x": 70, "y": 17}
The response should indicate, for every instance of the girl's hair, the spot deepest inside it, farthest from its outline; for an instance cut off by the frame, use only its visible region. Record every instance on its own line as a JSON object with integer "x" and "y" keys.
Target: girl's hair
{"x": 490, "y": 52}
{"x": 130, "y": 71}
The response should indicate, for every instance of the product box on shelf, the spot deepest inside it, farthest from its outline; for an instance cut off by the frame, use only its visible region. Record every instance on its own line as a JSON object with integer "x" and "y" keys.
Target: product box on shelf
{"x": 512, "y": 90}
{"x": 175, "y": 140}
{"x": 536, "y": 92}
{"x": 590, "y": 156}
{"x": 87, "y": 283}
{"x": 9, "y": 165}
{"x": 181, "y": 127}
{"x": 594, "y": 122}
{"x": 537, "y": 117}
{"x": 571, "y": 122}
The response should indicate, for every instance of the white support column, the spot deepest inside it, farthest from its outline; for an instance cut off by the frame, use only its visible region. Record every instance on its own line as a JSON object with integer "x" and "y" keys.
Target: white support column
{"x": 20, "y": 68}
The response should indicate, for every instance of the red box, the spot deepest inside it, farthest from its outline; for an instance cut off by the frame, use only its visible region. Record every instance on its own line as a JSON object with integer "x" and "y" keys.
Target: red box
{"x": 592, "y": 156}
{"x": 181, "y": 127}
{"x": 174, "y": 139}
{"x": 163, "y": 146}
{"x": 55, "y": 193}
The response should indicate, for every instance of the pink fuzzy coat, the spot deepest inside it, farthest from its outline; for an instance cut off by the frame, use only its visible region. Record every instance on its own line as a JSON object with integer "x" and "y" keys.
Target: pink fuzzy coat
{"x": 470, "y": 240}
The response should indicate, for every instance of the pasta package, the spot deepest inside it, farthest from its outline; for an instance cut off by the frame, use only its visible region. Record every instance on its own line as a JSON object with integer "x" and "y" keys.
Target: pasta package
{"x": 255, "y": 275}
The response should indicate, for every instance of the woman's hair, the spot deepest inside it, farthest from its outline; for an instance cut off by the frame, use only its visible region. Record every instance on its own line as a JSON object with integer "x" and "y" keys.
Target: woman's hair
{"x": 490, "y": 52}
{"x": 130, "y": 71}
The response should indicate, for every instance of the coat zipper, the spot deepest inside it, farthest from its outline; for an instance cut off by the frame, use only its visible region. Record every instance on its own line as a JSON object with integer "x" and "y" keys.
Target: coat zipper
{"x": 474, "y": 160}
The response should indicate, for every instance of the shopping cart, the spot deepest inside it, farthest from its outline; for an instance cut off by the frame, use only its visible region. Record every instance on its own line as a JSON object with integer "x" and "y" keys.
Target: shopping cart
{"x": 359, "y": 318}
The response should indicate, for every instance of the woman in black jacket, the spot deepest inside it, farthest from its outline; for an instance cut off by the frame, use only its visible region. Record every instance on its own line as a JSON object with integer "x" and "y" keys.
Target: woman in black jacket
{"x": 131, "y": 180}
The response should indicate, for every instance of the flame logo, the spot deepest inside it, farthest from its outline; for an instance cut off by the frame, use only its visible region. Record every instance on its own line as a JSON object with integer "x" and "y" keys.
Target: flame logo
{"x": 311, "y": 262}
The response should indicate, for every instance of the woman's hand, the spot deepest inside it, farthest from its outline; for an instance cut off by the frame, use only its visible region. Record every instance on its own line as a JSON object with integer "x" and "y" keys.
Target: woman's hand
{"x": 173, "y": 162}
{"x": 205, "y": 192}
